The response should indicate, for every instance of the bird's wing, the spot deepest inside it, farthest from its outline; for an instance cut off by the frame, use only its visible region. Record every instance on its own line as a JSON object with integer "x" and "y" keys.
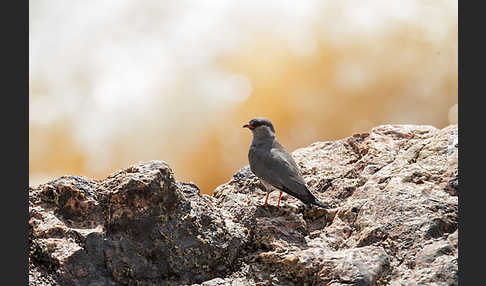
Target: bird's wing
{"x": 277, "y": 167}
{"x": 290, "y": 175}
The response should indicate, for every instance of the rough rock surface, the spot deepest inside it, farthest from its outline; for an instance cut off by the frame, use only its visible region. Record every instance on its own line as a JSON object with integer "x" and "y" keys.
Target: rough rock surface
{"x": 394, "y": 197}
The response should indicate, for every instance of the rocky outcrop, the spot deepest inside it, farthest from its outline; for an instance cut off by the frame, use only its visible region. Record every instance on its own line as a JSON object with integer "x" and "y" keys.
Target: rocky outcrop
{"x": 394, "y": 197}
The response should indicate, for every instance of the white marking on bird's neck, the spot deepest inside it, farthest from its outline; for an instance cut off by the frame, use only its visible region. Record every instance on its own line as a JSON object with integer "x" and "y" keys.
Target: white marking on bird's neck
{"x": 263, "y": 133}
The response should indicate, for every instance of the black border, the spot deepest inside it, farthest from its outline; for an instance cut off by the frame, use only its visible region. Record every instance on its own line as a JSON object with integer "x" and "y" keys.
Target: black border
{"x": 15, "y": 144}
{"x": 471, "y": 143}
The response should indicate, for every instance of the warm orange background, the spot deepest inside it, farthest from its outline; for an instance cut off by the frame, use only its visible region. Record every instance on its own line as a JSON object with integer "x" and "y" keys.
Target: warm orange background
{"x": 115, "y": 83}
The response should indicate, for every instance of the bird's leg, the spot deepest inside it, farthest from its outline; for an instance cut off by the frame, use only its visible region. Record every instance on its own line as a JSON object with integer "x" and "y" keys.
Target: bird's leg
{"x": 279, "y": 197}
{"x": 268, "y": 189}
{"x": 266, "y": 199}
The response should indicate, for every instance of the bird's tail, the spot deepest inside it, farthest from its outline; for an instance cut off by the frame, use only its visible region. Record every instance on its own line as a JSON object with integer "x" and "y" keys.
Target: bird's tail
{"x": 320, "y": 204}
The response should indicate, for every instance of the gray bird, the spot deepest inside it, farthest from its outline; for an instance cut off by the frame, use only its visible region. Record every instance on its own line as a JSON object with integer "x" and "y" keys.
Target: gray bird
{"x": 274, "y": 166}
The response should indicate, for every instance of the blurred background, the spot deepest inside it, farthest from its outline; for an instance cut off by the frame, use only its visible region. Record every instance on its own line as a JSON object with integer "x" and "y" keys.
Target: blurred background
{"x": 113, "y": 83}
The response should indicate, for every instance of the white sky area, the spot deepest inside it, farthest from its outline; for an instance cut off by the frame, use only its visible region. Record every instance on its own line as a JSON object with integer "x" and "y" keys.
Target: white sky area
{"x": 114, "y": 67}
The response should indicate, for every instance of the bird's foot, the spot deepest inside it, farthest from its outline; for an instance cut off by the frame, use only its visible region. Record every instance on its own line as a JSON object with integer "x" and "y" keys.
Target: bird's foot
{"x": 279, "y": 197}
{"x": 266, "y": 199}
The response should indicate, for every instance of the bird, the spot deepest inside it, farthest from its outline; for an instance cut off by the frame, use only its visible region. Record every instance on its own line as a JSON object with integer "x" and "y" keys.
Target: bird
{"x": 274, "y": 166}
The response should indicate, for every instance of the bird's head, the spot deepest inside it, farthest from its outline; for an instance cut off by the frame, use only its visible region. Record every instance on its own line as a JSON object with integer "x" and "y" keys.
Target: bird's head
{"x": 261, "y": 127}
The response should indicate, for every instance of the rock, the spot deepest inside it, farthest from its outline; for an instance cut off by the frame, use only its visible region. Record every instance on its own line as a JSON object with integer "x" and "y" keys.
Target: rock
{"x": 394, "y": 193}
{"x": 137, "y": 226}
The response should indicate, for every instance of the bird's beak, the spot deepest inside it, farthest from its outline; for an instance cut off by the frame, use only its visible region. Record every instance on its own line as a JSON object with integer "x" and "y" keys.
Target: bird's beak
{"x": 248, "y": 126}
